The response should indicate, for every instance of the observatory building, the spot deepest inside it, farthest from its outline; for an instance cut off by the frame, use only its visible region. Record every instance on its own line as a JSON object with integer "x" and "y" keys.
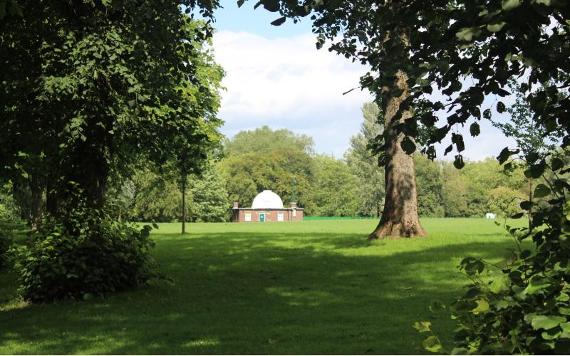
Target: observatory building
{"x": 267, "y": 206}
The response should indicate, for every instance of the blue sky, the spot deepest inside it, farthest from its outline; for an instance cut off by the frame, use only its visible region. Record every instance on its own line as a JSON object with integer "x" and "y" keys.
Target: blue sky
{"x": 276, "y": 77}
{"x": 246, "y": 19}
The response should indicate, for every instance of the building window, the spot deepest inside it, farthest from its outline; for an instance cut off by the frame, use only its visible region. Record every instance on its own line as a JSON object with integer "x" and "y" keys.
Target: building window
{"x": 280, "y": 217}
{"x": 294, "y": 212}
{"x": 247, "y": 217}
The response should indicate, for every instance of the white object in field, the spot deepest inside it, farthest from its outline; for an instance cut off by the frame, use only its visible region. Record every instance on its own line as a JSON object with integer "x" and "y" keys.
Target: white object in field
{"x": 267, "y": 200}
{"x": 490, "y": 216}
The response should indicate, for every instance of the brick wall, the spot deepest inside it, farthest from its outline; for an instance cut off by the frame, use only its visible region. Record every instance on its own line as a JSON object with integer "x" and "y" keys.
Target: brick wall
{"x": 271, "y": 215}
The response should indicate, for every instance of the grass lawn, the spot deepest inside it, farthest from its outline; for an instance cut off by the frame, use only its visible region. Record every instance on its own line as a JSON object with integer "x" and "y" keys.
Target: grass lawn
{"x": 313, "y": 287}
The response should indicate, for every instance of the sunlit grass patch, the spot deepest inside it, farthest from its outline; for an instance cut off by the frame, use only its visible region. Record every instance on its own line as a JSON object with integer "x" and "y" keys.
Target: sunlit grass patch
{"x": 311, "y": 287}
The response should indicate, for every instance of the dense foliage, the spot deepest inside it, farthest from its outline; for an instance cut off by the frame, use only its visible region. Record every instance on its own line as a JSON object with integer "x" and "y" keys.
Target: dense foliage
{"x": 463, "y": 52}
{"x": 278, "y": 160}
{"x": 328, "y": 186}
{"x": 100, "y": 82}
{"x": 365, "y": 165}
{"x": 90, "y": 90}
{"x": 105, "y": 257}
{"x": 335, "y": 188}
{"x": 151, "y": 196}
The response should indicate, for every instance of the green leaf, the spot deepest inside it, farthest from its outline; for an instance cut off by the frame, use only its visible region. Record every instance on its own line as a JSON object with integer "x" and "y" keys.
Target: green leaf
{"x": 525, "y": 205}
{"x": 472, "y": 265}
{"x": 496, "y": 27}
{"x": 541, "y": 191}
{"x": 504, "y": 155}
{"x": 279, "y": 21}
{"x": 271, "y": 5}
{"x": 565, "y": 330}
{"x": 498, "y": 285}
{"x": 536, "y": 285}
{"x": 474, "y": 129}
{"x": 422, "y": 326}
{"x": 408, "y": 145}
{"x": 557, "y": 164}
{"x": 510, "y": 4}
{"x": 468, "y": 34}
{"x": 536, "y": 170}
{"x": 502, "y": 304}
{"x": 501, "y": 108}
{"x": 457, "y": 139}
{"x": 545, "y": 322}
{"x": 458, "y": 162}
{"x": 482, "y": 306}
{"x": 432, "y": 344}
{"x": 544, "y": 2}
{"x": 551, "y": 334}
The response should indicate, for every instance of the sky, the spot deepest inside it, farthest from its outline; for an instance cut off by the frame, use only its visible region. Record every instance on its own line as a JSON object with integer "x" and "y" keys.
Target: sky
{"x": 275, "y": 76}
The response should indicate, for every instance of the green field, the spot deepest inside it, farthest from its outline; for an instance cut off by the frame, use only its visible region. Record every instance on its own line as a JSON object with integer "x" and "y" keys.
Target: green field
{"x": 313, "y": 287}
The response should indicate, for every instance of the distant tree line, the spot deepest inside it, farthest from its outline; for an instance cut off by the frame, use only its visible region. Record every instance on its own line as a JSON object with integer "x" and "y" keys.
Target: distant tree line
{"x": 323, "y": 185}
{"x": 286, "y": 163}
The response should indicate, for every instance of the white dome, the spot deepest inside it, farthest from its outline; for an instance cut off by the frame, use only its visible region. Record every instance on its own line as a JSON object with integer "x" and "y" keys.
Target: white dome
{"x": 267, "y": 200}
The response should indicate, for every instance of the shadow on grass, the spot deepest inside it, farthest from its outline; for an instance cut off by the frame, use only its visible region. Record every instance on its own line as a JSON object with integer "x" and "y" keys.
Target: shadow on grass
{"x": 260, "y": 293}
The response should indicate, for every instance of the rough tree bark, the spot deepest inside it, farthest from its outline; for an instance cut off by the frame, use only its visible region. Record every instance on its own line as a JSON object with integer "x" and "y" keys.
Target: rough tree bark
{"x": 400, "y": 215}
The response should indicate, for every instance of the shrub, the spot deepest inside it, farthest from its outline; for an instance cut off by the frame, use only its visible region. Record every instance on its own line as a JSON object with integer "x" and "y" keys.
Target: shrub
{"x": 525, "y": 307}
{"x": 98, "y": 257}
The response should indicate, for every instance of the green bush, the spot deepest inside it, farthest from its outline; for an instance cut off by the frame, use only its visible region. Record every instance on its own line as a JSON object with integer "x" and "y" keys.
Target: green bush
{"x": 97, "y": 257}
{"x": 524, "y": 306}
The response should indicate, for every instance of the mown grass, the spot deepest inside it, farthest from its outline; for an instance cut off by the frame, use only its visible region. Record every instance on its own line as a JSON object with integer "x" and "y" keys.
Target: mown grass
{"x": 313, "y": 287}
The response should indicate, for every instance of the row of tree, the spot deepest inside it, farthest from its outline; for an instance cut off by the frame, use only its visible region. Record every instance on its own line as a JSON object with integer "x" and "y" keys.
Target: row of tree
{"x": 91, "y": 94}
{"x": 354, "y": 185}
{"x": 324, "y": 186}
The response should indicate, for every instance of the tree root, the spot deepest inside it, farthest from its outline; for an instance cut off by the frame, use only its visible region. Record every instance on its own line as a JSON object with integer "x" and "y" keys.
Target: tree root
{"x": 397, "y": 230}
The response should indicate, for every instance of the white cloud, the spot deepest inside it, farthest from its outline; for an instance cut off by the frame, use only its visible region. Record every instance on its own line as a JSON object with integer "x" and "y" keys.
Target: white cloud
{"x": 288, "y": 83}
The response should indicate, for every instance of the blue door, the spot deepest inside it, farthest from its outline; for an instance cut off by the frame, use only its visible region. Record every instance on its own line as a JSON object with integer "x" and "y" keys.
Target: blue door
{"x": 261, "y": 217}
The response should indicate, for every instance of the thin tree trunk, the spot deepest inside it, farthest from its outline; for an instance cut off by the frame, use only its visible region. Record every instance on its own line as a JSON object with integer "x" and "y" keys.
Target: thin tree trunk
{"x": 36, "y": 203}
{"x": 184, "y": 204}
{"x": 52, "y": 194}
{"x": 400, "y": 214}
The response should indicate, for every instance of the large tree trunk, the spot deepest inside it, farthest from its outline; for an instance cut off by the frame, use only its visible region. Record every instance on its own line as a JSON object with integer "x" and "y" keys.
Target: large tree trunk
{"x": 400, "y": 214}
